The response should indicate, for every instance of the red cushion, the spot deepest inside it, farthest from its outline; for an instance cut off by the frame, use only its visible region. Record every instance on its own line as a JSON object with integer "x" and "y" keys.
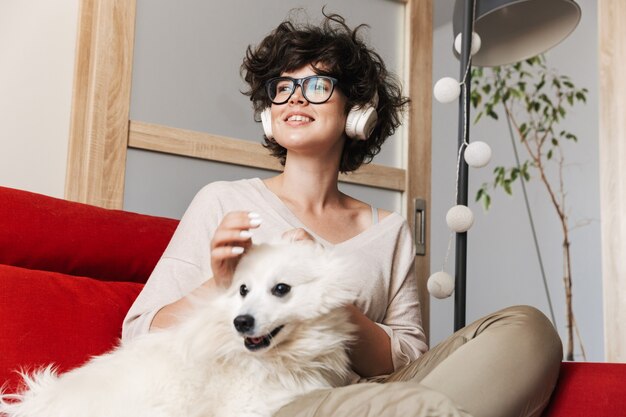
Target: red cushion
{"x": 47, "y": 317}
{"x": 51, "y": 234}
{"x": 589, "y": 389}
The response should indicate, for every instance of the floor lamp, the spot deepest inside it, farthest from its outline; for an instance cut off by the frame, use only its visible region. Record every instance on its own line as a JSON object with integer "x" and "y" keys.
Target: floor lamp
{"x": 502, "y": 32}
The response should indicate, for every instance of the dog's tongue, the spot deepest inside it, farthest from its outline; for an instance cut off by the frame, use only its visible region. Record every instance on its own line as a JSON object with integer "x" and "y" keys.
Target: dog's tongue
{"x": 256, "y": 340}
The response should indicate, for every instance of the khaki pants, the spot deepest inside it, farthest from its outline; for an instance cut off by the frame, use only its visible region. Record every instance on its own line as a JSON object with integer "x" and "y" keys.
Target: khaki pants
{"x": 503, "y": 365}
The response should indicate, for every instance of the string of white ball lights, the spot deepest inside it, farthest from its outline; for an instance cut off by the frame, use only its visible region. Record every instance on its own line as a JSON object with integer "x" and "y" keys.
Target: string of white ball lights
{"x": 477, "y": 154}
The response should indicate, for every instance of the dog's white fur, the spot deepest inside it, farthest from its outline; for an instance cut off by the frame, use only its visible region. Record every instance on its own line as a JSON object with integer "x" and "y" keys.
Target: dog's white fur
{"x": 201, "y": 368}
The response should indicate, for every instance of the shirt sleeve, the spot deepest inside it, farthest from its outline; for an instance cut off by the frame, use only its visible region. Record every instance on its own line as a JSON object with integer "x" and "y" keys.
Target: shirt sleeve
{"x": 184, "y": 265}
{"x": 403, "y": 319}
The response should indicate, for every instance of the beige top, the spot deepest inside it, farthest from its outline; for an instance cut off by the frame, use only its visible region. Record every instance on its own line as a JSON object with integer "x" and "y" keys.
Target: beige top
{"x": 385, "y": 285}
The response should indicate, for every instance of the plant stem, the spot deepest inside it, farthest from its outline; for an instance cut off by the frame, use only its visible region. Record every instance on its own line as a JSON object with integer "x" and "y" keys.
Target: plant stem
{"x": 559, "y": 206}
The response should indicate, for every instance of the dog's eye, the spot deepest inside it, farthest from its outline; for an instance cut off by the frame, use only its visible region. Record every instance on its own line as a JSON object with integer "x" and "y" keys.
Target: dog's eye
{"x": 243, "y": 290}
{"x": 280, "y": 289}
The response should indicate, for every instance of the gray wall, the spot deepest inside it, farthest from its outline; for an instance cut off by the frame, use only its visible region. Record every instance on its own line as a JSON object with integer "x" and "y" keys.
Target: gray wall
{"x": 186, "y": 74}
{"x": 502, "y": 264}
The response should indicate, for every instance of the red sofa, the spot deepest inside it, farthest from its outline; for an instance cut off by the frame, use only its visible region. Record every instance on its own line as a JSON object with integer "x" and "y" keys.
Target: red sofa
{"x": 69, "y": 272}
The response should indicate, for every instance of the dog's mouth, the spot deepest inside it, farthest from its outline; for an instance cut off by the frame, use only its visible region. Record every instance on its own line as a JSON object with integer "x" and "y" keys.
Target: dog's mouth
{"x": 256, "y": 343}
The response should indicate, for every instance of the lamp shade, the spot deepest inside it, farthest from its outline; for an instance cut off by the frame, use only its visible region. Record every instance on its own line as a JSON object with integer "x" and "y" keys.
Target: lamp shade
{"x": 514, "y": 30}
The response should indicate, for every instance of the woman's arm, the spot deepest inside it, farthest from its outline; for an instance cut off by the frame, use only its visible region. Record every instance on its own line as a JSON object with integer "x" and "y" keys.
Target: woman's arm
{"x": 231, "y": 239}
{"x": 371, "y": 354}
{"x": 170, "y": 314}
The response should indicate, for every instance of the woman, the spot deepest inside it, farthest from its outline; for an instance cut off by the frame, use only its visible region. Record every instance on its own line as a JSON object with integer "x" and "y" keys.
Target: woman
{"x": 328, "y": 104}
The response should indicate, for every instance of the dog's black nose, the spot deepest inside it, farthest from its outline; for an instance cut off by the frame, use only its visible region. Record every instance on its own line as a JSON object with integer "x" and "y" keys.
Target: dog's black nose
{"x": 244, "y": 323}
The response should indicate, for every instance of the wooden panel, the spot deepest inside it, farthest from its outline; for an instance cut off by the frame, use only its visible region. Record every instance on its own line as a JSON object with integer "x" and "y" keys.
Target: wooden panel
{"x": 418, "y": 153}
{"x": 183, "y": 142}
{"x": 100, "y": 103}
{"x": 612, "y": 35}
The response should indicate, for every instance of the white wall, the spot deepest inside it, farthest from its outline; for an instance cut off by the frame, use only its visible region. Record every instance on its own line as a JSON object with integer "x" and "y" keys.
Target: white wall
{"x": 502, "y": 264}
{"x": 37, "y": 43}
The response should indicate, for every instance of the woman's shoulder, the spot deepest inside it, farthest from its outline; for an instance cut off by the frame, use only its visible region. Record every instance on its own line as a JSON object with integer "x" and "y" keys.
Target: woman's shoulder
{"x": 226, "y": 189}
{"x": 225, "y": 186}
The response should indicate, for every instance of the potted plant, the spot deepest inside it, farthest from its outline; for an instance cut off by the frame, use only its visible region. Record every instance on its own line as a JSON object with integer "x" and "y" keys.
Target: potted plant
{"x": 535, "y": 100}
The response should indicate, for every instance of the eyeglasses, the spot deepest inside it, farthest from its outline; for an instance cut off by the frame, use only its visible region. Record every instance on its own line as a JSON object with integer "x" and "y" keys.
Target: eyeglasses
{"x": 316, "y": 89}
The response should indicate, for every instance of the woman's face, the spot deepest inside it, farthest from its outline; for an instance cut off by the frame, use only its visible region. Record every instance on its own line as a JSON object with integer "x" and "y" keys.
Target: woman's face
{"x": 300, "y": 126}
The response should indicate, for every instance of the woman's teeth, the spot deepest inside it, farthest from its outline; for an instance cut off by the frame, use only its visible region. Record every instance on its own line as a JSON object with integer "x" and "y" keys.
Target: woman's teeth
{"x": 299, "y": 118}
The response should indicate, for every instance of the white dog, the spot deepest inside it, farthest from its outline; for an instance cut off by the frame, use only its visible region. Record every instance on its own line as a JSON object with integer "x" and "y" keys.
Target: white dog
{"x": 279, "y": 331}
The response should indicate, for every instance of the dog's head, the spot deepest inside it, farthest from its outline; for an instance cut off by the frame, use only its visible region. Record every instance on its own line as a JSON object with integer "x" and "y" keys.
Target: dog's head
{"x": 281, "y": 287}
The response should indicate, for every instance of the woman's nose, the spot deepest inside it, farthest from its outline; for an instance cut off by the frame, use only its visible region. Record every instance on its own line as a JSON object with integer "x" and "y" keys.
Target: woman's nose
{"x": 297, "y": 96}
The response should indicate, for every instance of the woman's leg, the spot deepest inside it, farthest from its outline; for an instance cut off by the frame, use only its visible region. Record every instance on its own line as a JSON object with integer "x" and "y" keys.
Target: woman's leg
{"x": 399, "y": 399}
{"x": 504, "y": 365}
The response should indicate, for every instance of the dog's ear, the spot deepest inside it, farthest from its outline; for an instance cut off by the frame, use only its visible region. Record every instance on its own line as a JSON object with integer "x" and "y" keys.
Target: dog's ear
{"x": 335, "y": 270}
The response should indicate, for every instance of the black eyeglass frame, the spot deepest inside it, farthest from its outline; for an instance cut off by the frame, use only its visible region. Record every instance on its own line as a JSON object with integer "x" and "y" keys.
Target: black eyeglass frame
{"x": 300, "y": 82}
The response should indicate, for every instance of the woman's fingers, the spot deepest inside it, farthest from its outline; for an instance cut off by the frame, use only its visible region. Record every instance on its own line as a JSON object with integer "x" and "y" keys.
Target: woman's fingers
{"x": 230, "y": 240}
{"x": 234, "y": 230}
{"x": 227, "y": 252}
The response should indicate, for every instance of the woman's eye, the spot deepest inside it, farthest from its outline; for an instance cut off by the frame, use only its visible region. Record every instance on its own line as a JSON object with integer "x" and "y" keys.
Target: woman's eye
{"x": 243, "y": 290}
{"x": 281, "y": 289}
{"x": 283, "y": 87}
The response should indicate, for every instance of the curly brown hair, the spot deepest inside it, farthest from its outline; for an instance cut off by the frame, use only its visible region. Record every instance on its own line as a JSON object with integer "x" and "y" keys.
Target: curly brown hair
{"x": 334, "y": 49}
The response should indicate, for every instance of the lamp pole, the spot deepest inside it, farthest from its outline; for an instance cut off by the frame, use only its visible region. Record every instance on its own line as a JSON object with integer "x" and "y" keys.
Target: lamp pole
{"x": 462, "y": 179}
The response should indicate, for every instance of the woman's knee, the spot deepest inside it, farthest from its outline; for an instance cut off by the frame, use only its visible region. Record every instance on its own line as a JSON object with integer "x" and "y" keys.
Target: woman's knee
{"x": 535, "y": 331}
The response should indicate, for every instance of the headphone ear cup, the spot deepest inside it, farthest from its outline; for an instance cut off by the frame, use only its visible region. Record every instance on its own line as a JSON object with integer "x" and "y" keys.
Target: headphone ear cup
{"x": 361, "y": 122}
{"x": 266, "y": 120}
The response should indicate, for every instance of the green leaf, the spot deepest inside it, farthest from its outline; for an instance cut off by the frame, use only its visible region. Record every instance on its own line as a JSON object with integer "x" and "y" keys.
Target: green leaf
{"x": 541, "y": 84}
{"x": 549, "y": 155}
{"x": 523, "y": 127}
{"x": 507, "y": 187}
{"x": 487, "y": 201}
{"x": 476, "y": 98}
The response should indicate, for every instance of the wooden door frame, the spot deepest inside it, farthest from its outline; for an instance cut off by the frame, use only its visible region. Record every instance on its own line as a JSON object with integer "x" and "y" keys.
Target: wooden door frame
{"x": 612, "y": 138}
{"x": 101, "y": 132}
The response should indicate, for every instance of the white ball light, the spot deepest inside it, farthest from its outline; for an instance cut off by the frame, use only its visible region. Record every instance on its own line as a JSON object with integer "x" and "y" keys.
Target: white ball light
{"x": 440, "y": 284}
{"x": 460, "y": 218}
{"x": 476, "y": 42}
{"x": 477, "y": 154}
{"x": 447, "y": 89}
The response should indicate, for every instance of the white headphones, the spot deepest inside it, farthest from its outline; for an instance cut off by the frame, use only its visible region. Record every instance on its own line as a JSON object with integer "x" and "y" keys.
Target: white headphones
{"x": 360, "y": 122}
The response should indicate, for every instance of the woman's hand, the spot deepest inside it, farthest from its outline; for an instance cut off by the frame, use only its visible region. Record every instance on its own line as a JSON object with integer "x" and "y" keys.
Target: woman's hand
{"x": 231, "y": 239}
